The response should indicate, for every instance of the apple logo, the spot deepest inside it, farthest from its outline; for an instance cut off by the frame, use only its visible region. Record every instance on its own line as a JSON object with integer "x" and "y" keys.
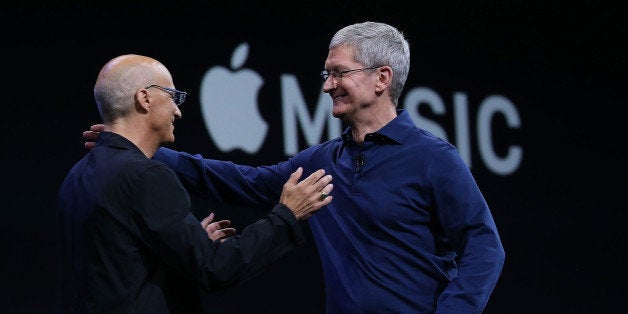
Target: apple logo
{"x": 229, "y": 105}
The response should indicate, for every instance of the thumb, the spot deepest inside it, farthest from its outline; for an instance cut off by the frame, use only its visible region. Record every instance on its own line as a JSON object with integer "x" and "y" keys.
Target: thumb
{"x": 207, "y": 220}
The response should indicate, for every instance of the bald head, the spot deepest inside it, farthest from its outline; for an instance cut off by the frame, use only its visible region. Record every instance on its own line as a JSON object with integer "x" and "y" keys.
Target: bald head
{"x": 121, "y": 78}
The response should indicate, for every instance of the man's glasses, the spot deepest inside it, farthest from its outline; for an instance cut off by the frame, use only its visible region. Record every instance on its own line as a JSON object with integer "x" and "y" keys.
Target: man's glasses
{"x": 340, "y": 74}
{"x": 177, "y": 95}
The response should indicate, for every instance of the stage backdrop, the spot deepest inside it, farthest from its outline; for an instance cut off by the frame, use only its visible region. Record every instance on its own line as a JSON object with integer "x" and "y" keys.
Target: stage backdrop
{"x": 532, "y": 96}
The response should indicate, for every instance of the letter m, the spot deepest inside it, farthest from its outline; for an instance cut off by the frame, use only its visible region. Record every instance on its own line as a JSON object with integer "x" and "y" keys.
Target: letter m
{"x": 295, "y": 109}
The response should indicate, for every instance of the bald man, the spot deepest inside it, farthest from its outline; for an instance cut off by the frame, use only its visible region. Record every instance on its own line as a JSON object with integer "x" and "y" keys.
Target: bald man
{"x": 128, "y": 240}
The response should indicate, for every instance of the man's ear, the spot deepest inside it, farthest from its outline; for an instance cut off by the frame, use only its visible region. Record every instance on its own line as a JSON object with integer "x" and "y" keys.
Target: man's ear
{"x": 142, "y": 101}
{"x": 384, "y": 78}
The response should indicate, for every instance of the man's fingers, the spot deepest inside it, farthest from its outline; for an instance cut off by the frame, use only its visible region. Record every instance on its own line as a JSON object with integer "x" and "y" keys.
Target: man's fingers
{"x": 207, "y": 220}
{"x": 97, "y": 127}
{"x": 226, "y": 232}
{"x": 317, "y": 180}
{"x": 217, "y": 226}
{"x": 314, "y": 177}
{"x": 326, "y": 195}
{"x": 221, "y": 224}
{"x": 90, "y": 138}
{"x": 324, "y": 182}
{"x": 223, "y": 234}
{"x": 217, "y": 229}
{"x": 294, "y": 177}
{"x": 219, "y": 233}
{"x": 325, "y": 192}
{"x": 90, "y": 135}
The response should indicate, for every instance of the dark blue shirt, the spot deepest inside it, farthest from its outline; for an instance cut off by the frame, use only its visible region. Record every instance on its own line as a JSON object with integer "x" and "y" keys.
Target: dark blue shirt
{"x": 408, "y": 230}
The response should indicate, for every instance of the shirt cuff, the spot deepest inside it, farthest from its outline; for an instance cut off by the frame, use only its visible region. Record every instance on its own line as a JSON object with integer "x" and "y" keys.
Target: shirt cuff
{"x": 286, "y": 214}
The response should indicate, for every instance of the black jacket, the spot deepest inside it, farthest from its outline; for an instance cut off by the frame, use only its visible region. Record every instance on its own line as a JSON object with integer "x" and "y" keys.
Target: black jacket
{"x": 129, "y": 243}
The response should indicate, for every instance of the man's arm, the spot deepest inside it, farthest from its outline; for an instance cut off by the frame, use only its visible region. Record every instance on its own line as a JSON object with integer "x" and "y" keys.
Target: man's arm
{"x": 468, "y": 223}
{"x": 172, "y": 232}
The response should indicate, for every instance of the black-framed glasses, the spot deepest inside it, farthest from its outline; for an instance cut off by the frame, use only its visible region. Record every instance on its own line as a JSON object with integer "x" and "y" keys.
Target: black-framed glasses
{"x": 340, "y": 74}
{"x": 177, "y": 95}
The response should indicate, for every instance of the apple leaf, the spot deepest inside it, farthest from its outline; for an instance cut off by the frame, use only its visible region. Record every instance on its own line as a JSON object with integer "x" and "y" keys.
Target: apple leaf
{"x": 239, "y": 56}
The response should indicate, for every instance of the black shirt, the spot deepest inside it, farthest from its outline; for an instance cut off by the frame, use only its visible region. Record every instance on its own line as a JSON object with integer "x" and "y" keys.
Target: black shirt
{"x": 129, "y": 243}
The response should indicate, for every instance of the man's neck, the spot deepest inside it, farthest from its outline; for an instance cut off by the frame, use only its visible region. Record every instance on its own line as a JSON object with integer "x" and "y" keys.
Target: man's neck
{"x": 371, "y": 121}
{"x": 137, "y": 135}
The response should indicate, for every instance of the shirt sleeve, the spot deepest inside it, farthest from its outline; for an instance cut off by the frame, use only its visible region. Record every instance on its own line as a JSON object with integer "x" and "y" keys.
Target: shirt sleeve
{"x": 224, "y": 181}
{"x": 468, "y": 223}
{"x": 167, "y": 226}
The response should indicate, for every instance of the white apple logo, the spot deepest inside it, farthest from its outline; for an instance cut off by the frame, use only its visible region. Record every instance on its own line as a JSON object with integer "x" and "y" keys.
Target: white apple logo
{"x": 229, "y": 105}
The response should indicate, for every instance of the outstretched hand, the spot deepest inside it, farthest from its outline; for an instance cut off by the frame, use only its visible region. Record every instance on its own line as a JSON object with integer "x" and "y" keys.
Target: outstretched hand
{"x": 217, "y": 230}
{"x": 306, "y": 197}
{"x": 92, "y": 135}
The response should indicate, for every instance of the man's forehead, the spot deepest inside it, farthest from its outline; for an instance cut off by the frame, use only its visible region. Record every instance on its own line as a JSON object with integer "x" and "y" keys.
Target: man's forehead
{"x": 340, "y": 56}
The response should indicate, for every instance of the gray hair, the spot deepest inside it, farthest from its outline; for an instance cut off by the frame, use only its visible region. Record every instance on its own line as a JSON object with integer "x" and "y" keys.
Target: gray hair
{"x": 378, "y": 44}
{"x": 115, "y": 88}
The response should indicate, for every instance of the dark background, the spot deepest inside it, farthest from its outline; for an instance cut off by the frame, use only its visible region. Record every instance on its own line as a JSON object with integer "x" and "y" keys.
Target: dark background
{"x": 561, "y": 214}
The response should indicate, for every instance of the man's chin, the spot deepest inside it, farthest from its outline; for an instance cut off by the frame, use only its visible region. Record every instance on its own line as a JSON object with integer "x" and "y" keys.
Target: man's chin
{"x": 339, "y": 115}
{"x": 168, "y": 142}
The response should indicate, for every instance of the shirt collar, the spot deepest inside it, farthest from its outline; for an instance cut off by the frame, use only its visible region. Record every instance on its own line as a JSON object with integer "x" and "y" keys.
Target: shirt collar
{"x": 393, "y": 133}
{"x": 111, "y": 139}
